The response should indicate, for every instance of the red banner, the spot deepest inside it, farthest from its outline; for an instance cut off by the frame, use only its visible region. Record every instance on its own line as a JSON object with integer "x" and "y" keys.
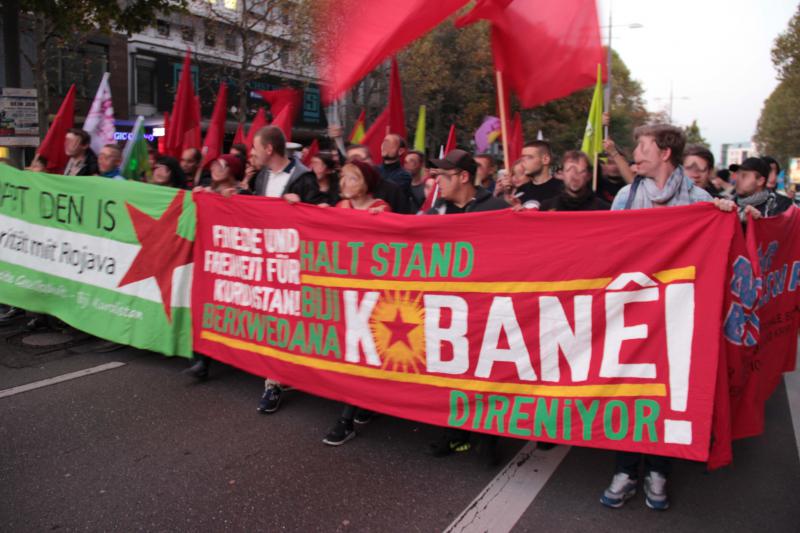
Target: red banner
{"x": 593, "y": 329}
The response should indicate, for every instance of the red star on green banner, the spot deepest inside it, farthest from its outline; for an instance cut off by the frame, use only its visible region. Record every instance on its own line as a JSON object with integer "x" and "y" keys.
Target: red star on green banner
{"x": 162, "y": 251}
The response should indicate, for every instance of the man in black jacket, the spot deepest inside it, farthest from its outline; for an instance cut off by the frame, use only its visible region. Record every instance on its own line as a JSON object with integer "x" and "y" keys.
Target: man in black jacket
{"x": 281, "y": 177}
{"x": 752, "y": 195}
{"x": 577, "y": 194}
{"x": 82, "y": 160}
{"x": 455, "y": 175}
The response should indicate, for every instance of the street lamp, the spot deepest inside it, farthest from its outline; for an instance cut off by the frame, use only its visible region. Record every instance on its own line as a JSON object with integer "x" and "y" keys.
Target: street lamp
{"x": 610, "y": 27}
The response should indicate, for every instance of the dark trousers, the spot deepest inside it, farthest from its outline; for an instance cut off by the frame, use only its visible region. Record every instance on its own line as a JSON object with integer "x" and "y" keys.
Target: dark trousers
{"x": 628, "y": 462}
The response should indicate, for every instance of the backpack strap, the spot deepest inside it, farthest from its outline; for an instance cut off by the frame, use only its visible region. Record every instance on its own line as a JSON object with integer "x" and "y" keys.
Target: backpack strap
{"x": 632, "y": 194}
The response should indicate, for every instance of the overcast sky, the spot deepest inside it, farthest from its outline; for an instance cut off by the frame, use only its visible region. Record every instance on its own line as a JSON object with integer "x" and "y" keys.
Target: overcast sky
{"x": 714, "y": 53}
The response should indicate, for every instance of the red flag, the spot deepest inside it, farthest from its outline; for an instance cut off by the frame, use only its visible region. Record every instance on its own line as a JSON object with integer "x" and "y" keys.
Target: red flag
{"x": 52, "y": 146}
{"x": 284, "y": 120}
{"x": 212, "y": 145}
{"x": 194, "y": 137}
{"x": 359, "y": 128}
{"x": 354, "y": 36}
{"x": 391, "y": 120}
{"x": 515, "y": 141}
{"x": 451, "y": 140}
{"x": 184, "y": 115}
{"x": 282, "y": 98}
{"x": 259, "y": 121}
{"x": 533, "y": 40}
{"x": 162, "y": 141}
{"x": 312, "y": 151}
{"x": 238, "y": 137}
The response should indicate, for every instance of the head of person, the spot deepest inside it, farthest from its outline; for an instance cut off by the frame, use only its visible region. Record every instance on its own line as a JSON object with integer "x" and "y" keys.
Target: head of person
{"x": 698, "y": 164}
{"x": 190, "y": 160}
{"x": 269, "y": 144}
{"x": 167, "y": 172}
{"x": 414, "y": 163}
{"x": 76, "y": 143}
{"x": 109, "y": 158}
{"x": 392, "y": 148}
{"x": 734, "y": 172}
{"x": 152, "y": 155}
{"x": 536, "y": 158}
{"x": 226, "y": 168}
{"x": 577, "y": 172}
{"x": 774, "y": 170}
{"x": 239, "y": 150}
{"x": 724, "y": 175}
{"x": 659, "y": 149}
{"x": 752, "y": 177}
{"x": 518, "y": 175}
{"x": 487, "y": 166}
{"x": 358, "y": 152}
{"x": 455, "y": 175}
{"x": 322, "y": 165}
{"x": 39, "y": 164}
{"x": 358, "y": 179}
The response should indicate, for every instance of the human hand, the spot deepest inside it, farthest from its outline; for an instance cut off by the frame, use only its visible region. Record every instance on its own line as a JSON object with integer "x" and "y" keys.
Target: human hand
{"x": 292, "y": 198}
{"x": 724, "y": 205}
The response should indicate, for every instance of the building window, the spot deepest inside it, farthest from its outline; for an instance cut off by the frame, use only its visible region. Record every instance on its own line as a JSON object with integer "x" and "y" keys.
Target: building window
{"x": 210, "y": 36}
{"x": 162, "y": 27}
{"x": 145, "y": 81}
{"x": 87, "y": 63}
{"x": 230, "y": 42}
{"x": 283, "y": 56}
{"x": 187, "y": 33}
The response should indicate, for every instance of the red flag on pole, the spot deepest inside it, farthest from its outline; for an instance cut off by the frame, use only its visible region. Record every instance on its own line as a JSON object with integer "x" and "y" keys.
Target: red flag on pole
{"x": 212, "y": 145}
{"x": 52, "y": 146}
{"x": 184, "y": 116}
{"x": 162, "y": 141}
{"x": 238, "y": 137}
{"x": 515, "y": 141}
{"x": 282, "y": 98}
{"x": 451, "y": 140}
{"x": 534, "y": 40}
{"x": 194, "y": 137}
{"x": 312, "y": 151}
{"x": 353, "y": 36}
{"x": 259, "y": 121}
{"x": 391, "y": 120}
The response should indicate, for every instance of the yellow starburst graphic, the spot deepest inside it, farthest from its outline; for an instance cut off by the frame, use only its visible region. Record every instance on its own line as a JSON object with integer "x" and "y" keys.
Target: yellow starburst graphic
{"x": 397, "y": 324}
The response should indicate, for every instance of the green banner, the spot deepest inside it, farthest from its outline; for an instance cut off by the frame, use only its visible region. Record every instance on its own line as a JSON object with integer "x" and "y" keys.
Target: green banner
{"x": 110, "y": 257}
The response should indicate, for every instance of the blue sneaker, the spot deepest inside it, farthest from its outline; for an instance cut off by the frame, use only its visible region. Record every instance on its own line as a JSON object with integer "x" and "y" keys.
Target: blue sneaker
{"x": 655, "y": 491}
{"x": 270, "y": 400}
{"x": 622, "y": 489}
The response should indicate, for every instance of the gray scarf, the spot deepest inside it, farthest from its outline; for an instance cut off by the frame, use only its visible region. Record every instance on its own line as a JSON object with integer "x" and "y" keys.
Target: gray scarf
{"x": 755, "y": 199}
{"x": 675, "y": 192}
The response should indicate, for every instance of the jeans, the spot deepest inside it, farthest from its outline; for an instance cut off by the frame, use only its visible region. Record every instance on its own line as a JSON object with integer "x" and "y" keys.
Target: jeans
{"x": 628, "y": 462}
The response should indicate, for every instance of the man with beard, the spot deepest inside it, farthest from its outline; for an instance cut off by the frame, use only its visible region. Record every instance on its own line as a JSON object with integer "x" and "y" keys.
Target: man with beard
{"x": 577, "y": 194}
{"x": 393, "y": 148}
{"x": 752, "y": 195}
{"x": 536, "y": 159}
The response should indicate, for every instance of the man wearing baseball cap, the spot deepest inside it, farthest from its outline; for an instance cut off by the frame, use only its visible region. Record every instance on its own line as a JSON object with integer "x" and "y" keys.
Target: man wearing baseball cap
{"x": 752, "y": 195}
{"x": 455, "y": 175}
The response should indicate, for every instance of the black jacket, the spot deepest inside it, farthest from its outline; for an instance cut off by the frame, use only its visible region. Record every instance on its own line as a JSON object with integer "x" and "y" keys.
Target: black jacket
{"x": 302, "y": 182}
{"x": 483, "y": 201}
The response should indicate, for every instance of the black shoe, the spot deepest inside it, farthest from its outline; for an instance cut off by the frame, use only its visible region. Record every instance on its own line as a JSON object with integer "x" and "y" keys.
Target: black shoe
{"x": 341, "y": 433}
{"x": 199, "y": 369}
{"x": 37, "y": 322}
{"x": 363, "y": 416}
{"x": 11, "y": 314}
{"x": 270, "y": 400}
{"x": 446, "y": 446}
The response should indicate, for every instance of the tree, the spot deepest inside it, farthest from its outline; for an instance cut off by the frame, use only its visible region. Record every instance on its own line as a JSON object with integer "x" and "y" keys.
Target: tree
{"x": 778, "y": 131}
{"x": 693, "y": 135}
{"x": 57, "y": 24}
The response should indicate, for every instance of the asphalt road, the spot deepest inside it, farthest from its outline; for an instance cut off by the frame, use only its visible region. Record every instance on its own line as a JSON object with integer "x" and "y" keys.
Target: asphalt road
{"x": 142, "y": 447}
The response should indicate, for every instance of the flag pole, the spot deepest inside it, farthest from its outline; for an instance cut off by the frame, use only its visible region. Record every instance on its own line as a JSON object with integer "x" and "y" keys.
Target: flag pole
{"x": 608, "y": 70}
{"x": 503, "y": 126}
{"x": 594, "y": 172}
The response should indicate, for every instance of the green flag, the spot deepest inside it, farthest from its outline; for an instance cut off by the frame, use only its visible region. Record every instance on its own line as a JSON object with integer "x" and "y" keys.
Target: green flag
{"x": 593, "y": 137}
{"x": 419, "y": 136}
{"x": 135, "y": 159}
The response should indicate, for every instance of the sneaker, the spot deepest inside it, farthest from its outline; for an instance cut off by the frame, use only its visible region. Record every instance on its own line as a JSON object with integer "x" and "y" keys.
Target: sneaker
{"x": 270, "y": 400}
{"x": 446, "y": 446}
{"x": 622, "y": 489}
{"x": 341, "y": 433}
{"x": 199, "y": 370}
{"x": 363, "y": 416}
{"x": 11, "y": 314}
{"x": 37, "y": 322}
{"x": 655, "y": 491}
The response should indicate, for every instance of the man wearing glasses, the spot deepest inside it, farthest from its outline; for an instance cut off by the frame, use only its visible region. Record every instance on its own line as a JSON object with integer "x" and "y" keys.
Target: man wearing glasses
{"x": 698, "y": 165}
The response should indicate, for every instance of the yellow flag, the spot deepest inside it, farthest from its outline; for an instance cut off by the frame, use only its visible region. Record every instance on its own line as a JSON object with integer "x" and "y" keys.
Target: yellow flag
{"x": 593, "y": 137}
{"x": 419, "y": 136}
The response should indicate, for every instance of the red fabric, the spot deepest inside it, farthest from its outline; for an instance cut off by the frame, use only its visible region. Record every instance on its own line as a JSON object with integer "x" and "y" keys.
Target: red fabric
{"x": 451, "y": 140}
{"x": 284, "y": 106}
{"x": 259, "y": 121}
{"x": 215, "y": 135}
{"x": 354, "y": 36}
{"x": 391, "y": 120}
{"x": 312, "y": 151}
{"x": 185, "y": 115}
{"x": 162, "y": 141}
{"x": 361, "y": 123}
{"x": 377, "y": 202}
{"x": 545, "y": 50}
{"x": 431, "y": 197}
{"x": 516, "y": 141}
{"x": 538, "y": 341}
{"x": 52, "y": 146}
{"x": 238, "y": 137}
{"x": 194, "y": 137}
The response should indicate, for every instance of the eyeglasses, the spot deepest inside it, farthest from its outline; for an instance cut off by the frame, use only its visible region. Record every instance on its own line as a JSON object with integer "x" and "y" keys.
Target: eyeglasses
{"x": 696, "y": 168}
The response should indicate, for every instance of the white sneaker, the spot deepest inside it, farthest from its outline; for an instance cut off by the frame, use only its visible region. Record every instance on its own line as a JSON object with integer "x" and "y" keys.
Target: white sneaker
{"x": 622, "y": 489}
{"x": 655, "y": 491}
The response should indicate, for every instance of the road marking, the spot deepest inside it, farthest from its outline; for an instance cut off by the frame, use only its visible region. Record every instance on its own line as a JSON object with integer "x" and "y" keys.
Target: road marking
{"x": 59, "y": 379}
{"x": 792, "y": 381}
{"x": 504, "y": 500}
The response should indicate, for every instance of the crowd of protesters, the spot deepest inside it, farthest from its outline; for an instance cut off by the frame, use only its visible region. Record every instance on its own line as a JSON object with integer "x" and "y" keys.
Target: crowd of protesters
{"x": 661, "y": 172}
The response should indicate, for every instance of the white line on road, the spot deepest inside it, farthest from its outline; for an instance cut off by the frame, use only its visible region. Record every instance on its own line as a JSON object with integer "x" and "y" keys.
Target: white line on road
{"x": 792, "y": 381}
{"x": 58, "y": 379}
{"x": 504, "y": 500}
